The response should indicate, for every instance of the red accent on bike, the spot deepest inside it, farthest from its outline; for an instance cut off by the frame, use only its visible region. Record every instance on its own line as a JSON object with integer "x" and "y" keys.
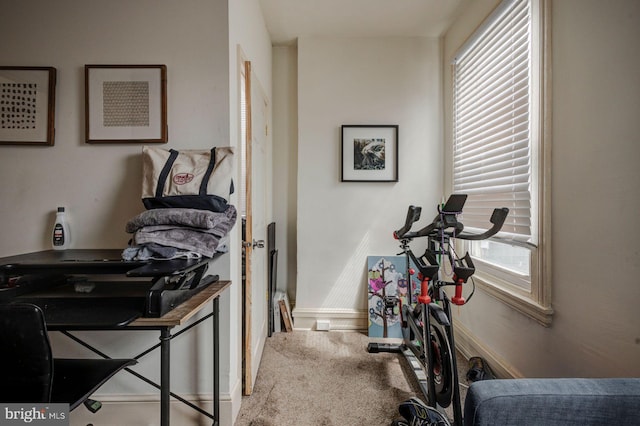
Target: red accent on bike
{"x": 395, "y": 235}
{"x": 424, "y": 292}
{"x": 412, "y": 271}
{"x": 458, "y": 299}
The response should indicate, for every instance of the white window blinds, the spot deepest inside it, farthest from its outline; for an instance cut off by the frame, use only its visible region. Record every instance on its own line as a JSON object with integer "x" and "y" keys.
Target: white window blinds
{"x": 492, "y": 156}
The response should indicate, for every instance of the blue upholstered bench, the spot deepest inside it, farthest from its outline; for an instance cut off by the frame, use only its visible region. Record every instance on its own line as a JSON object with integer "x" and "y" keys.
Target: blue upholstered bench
{"x": 553, "y": 402}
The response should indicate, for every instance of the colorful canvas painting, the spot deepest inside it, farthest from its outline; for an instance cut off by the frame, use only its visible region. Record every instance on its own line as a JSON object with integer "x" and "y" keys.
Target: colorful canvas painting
{"x": 388, "y": 288}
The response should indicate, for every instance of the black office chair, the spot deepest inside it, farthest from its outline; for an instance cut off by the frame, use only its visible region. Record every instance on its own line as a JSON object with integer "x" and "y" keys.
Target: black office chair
{"x": 30, "y": 374}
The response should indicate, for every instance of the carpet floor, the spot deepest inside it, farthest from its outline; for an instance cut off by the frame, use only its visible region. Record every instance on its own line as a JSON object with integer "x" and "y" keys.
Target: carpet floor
{"x": 311, "y": 378}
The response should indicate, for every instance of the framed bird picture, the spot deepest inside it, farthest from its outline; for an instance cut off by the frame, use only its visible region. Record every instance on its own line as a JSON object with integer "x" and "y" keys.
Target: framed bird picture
{"x": 369, "y": 153}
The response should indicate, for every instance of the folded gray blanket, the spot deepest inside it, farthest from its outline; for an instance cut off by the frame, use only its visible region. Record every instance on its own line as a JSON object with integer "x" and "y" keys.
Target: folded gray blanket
{"x": 190, "y": 239}
{"x": 156, "y": 251}
{"x": 217, "y": 231}
{"x": 192, "y": 230}
{"x": 193, "y": 218}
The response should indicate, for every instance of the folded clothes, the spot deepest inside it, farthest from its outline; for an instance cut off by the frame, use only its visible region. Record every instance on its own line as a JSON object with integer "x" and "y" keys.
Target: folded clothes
{"x": 191, "y": 239}
{"x": 218, "y": 232}
{"x": 157, "y": 252}
{"x": 193, "y": 218}
{"x": 178, "y": 232}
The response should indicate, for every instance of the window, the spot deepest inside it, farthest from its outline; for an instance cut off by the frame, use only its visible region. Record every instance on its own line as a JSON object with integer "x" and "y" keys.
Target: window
{"x": 500, "y": 148}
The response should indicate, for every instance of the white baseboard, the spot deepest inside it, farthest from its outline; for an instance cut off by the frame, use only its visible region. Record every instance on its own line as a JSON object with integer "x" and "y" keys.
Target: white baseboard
{"x": 339, "y": 319}
{"x": 144, "y": 410}
{"x": 470, "y": 346}
{"x": 230, "y": 407}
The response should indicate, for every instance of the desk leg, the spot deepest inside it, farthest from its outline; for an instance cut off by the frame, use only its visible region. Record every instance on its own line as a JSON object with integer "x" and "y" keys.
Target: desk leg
{"x": 165, "y": 389}
{"x": 216, "y": 361}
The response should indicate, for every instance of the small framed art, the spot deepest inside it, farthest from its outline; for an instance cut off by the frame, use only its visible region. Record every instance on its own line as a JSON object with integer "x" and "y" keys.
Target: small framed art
{"x": 27, "y": 105}
{"x": 126, "y": 103}
{"x": 369, "y": 153}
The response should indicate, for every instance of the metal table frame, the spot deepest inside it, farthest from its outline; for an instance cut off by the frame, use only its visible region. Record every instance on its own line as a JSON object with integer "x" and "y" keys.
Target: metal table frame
{"x": 108, "y": 261}
{"x": 177, "y": 317}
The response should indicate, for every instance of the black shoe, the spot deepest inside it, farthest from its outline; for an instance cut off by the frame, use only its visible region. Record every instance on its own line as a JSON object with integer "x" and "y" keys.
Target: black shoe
{"x": 478, "y": 370}
{"x": 417, "y": 413}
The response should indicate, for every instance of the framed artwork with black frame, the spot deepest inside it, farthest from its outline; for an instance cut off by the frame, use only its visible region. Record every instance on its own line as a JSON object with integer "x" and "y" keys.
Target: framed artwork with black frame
{"x": 126, "y": 103}
{"x": 369, "y": 153}
{"x": 27, "y": 105}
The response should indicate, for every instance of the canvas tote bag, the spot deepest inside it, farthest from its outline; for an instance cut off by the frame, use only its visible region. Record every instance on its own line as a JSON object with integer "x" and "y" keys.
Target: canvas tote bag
{"x": 197, "y": 179}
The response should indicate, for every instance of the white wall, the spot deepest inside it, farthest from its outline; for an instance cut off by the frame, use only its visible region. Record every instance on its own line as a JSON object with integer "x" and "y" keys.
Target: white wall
{"x": 100, "y": 184}
{"x": 359, "y": 81}
{"x": 249, "y": 39}
{"x": 595, "y": 200}
{"x": 285, "y": 164}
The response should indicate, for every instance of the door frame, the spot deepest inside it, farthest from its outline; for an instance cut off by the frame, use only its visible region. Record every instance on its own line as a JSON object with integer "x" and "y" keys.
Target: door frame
{"x": 247, "y": 246}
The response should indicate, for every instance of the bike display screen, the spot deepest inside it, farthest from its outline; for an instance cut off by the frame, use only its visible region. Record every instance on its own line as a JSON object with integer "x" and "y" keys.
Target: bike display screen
{"x": 455, "y": 203}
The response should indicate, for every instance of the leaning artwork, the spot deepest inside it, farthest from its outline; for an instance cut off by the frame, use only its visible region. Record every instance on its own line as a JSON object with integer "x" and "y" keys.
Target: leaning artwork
{"x": 387, "y": 285}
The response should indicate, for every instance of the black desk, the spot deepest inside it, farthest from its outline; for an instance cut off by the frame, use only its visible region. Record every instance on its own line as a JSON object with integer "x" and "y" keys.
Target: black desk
{"x": 49, "y": 278}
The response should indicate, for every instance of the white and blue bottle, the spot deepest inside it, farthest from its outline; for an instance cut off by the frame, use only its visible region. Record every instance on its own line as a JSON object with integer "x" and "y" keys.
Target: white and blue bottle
{"x": 61, "y": 237}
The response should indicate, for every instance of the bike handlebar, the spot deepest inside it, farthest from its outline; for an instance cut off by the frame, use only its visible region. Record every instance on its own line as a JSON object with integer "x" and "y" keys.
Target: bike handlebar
{"x": 497, "y": 219}
{"x": 446, "y": 220}
{"x": 413, "y": 215}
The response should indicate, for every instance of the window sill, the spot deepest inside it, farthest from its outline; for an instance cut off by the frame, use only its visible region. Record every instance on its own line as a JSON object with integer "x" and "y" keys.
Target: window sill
{"x": 518, "y": 300}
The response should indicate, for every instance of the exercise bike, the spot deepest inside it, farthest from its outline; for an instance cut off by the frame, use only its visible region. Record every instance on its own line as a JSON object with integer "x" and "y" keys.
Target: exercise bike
{"x": 427, "y": 327}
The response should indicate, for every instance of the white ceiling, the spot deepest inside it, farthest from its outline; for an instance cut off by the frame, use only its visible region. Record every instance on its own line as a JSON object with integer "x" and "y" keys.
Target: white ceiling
{"x": 289, "y": 19}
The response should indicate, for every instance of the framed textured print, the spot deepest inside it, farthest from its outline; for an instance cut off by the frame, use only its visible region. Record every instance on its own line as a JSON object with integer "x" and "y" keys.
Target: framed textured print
{"x": 126, "y": 103}
{"x": 27, "y": 105}
{"x": 369, "y": 153}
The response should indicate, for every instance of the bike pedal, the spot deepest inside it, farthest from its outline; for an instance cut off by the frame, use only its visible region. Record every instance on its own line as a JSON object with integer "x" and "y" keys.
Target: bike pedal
{"x": 92, "y": 405}
{"x": 374, "y": 348}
